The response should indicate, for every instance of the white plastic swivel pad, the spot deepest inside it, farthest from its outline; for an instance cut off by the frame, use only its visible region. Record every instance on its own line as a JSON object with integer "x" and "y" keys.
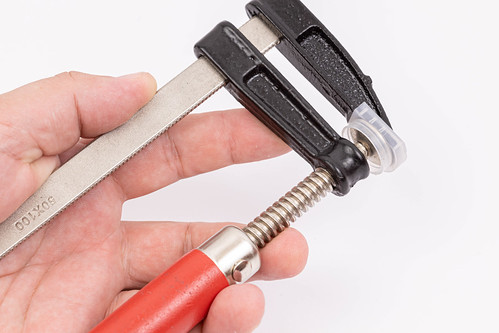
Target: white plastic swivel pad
{"x": 385, "y": 150}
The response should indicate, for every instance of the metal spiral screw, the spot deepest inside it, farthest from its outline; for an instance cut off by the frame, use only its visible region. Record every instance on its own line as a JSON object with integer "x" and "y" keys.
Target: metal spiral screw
{"x": 279, "y": 216}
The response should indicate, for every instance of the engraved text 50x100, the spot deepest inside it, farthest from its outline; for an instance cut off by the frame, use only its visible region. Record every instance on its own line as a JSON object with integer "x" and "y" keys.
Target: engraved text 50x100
{"x": 34, "y": 213}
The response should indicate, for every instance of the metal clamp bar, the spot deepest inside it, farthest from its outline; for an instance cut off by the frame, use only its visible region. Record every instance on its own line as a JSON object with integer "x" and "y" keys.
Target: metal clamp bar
{"x": 107, "y": 153}
{"x": 318, "y": 55}
{"x": 263, "y": 90}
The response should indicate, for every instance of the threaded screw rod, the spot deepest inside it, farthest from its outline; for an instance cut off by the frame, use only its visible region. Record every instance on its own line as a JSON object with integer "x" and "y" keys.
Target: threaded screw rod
{"x": 287, "y": 209}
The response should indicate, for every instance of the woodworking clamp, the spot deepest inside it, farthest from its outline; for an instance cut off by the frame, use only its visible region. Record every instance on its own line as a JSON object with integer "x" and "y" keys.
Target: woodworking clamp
{"x": 180, "y": 297}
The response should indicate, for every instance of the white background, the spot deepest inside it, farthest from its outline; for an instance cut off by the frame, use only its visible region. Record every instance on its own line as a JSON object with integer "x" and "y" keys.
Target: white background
{"x": 412, "y": 251}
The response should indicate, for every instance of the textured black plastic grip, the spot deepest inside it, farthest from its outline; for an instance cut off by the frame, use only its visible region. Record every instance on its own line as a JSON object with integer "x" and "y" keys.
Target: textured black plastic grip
{"x": 318, "y": 55}
{"x": 263, "y": 90}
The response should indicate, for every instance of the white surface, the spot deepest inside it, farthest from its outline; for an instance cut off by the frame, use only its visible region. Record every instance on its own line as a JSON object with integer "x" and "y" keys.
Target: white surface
{"x": 429, "y": 261}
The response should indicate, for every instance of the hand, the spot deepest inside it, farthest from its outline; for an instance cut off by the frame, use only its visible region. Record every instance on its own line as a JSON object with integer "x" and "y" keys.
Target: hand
{"x": 86, "y": 262}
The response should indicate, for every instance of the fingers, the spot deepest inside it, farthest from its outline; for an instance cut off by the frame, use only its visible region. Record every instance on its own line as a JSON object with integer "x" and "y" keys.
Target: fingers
{"x": 45, "y": 118}
{"x": 118, "y": 301}
{"x": 236, "y": 308}
{"x": 49, "y": 116}
{"x": 152, "y": 247}
{"x": 197, "y": 144}
{"x": 284, "y": 257}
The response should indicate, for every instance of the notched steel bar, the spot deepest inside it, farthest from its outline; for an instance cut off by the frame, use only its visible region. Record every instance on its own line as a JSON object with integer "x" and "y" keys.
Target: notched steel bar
{"x": 107, "y": 153}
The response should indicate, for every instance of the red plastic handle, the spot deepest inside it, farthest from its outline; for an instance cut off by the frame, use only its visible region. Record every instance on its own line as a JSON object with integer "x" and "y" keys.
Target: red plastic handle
{"x": 175, "y": 301}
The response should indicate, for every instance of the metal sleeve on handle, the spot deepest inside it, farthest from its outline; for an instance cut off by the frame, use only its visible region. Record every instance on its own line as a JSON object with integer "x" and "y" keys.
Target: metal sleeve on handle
{"x": 175, "y": 301}
{"x": 235, "y": 254}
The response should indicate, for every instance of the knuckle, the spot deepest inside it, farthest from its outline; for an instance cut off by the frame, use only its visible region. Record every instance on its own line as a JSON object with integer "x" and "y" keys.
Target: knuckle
{"x": 173, "y": 156}
{"x": 67, "y": 76}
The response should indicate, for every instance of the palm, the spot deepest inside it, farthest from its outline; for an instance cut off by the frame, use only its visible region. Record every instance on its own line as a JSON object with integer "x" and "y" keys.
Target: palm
{"x": 69, "y": 275}
{"x": 66, "y": 275}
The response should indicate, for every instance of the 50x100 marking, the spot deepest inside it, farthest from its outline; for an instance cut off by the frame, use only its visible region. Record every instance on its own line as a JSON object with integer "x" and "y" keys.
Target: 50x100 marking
{"x": 108, "y": 152}
{"x": 34, "y": 213}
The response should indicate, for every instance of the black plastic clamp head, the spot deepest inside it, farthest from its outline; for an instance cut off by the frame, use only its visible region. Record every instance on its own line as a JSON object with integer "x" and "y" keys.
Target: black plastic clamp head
{"x": 264, "y": 91}
{"x": 318, "y": 55}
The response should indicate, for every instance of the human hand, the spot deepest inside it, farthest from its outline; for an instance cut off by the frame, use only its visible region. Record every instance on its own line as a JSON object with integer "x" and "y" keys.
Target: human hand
{"x": 75, "y": 271}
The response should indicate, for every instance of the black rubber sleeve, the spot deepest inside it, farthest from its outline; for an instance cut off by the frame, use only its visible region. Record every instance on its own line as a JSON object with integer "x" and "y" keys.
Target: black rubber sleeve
{"x": 318, "y": 55}
{"x": 264, "y": 91}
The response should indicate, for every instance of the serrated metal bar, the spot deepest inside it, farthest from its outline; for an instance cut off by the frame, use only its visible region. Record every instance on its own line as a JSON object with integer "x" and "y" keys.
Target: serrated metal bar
{"x": 107, "y": 153}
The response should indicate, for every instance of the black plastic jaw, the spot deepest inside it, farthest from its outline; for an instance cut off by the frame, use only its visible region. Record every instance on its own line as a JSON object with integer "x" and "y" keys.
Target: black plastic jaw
{"x": 318, "y": 55}
{"x": 264, "y": 91}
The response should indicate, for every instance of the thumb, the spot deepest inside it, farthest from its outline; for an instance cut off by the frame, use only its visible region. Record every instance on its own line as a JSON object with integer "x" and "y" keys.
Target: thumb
{"x": 43, "y": 119}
